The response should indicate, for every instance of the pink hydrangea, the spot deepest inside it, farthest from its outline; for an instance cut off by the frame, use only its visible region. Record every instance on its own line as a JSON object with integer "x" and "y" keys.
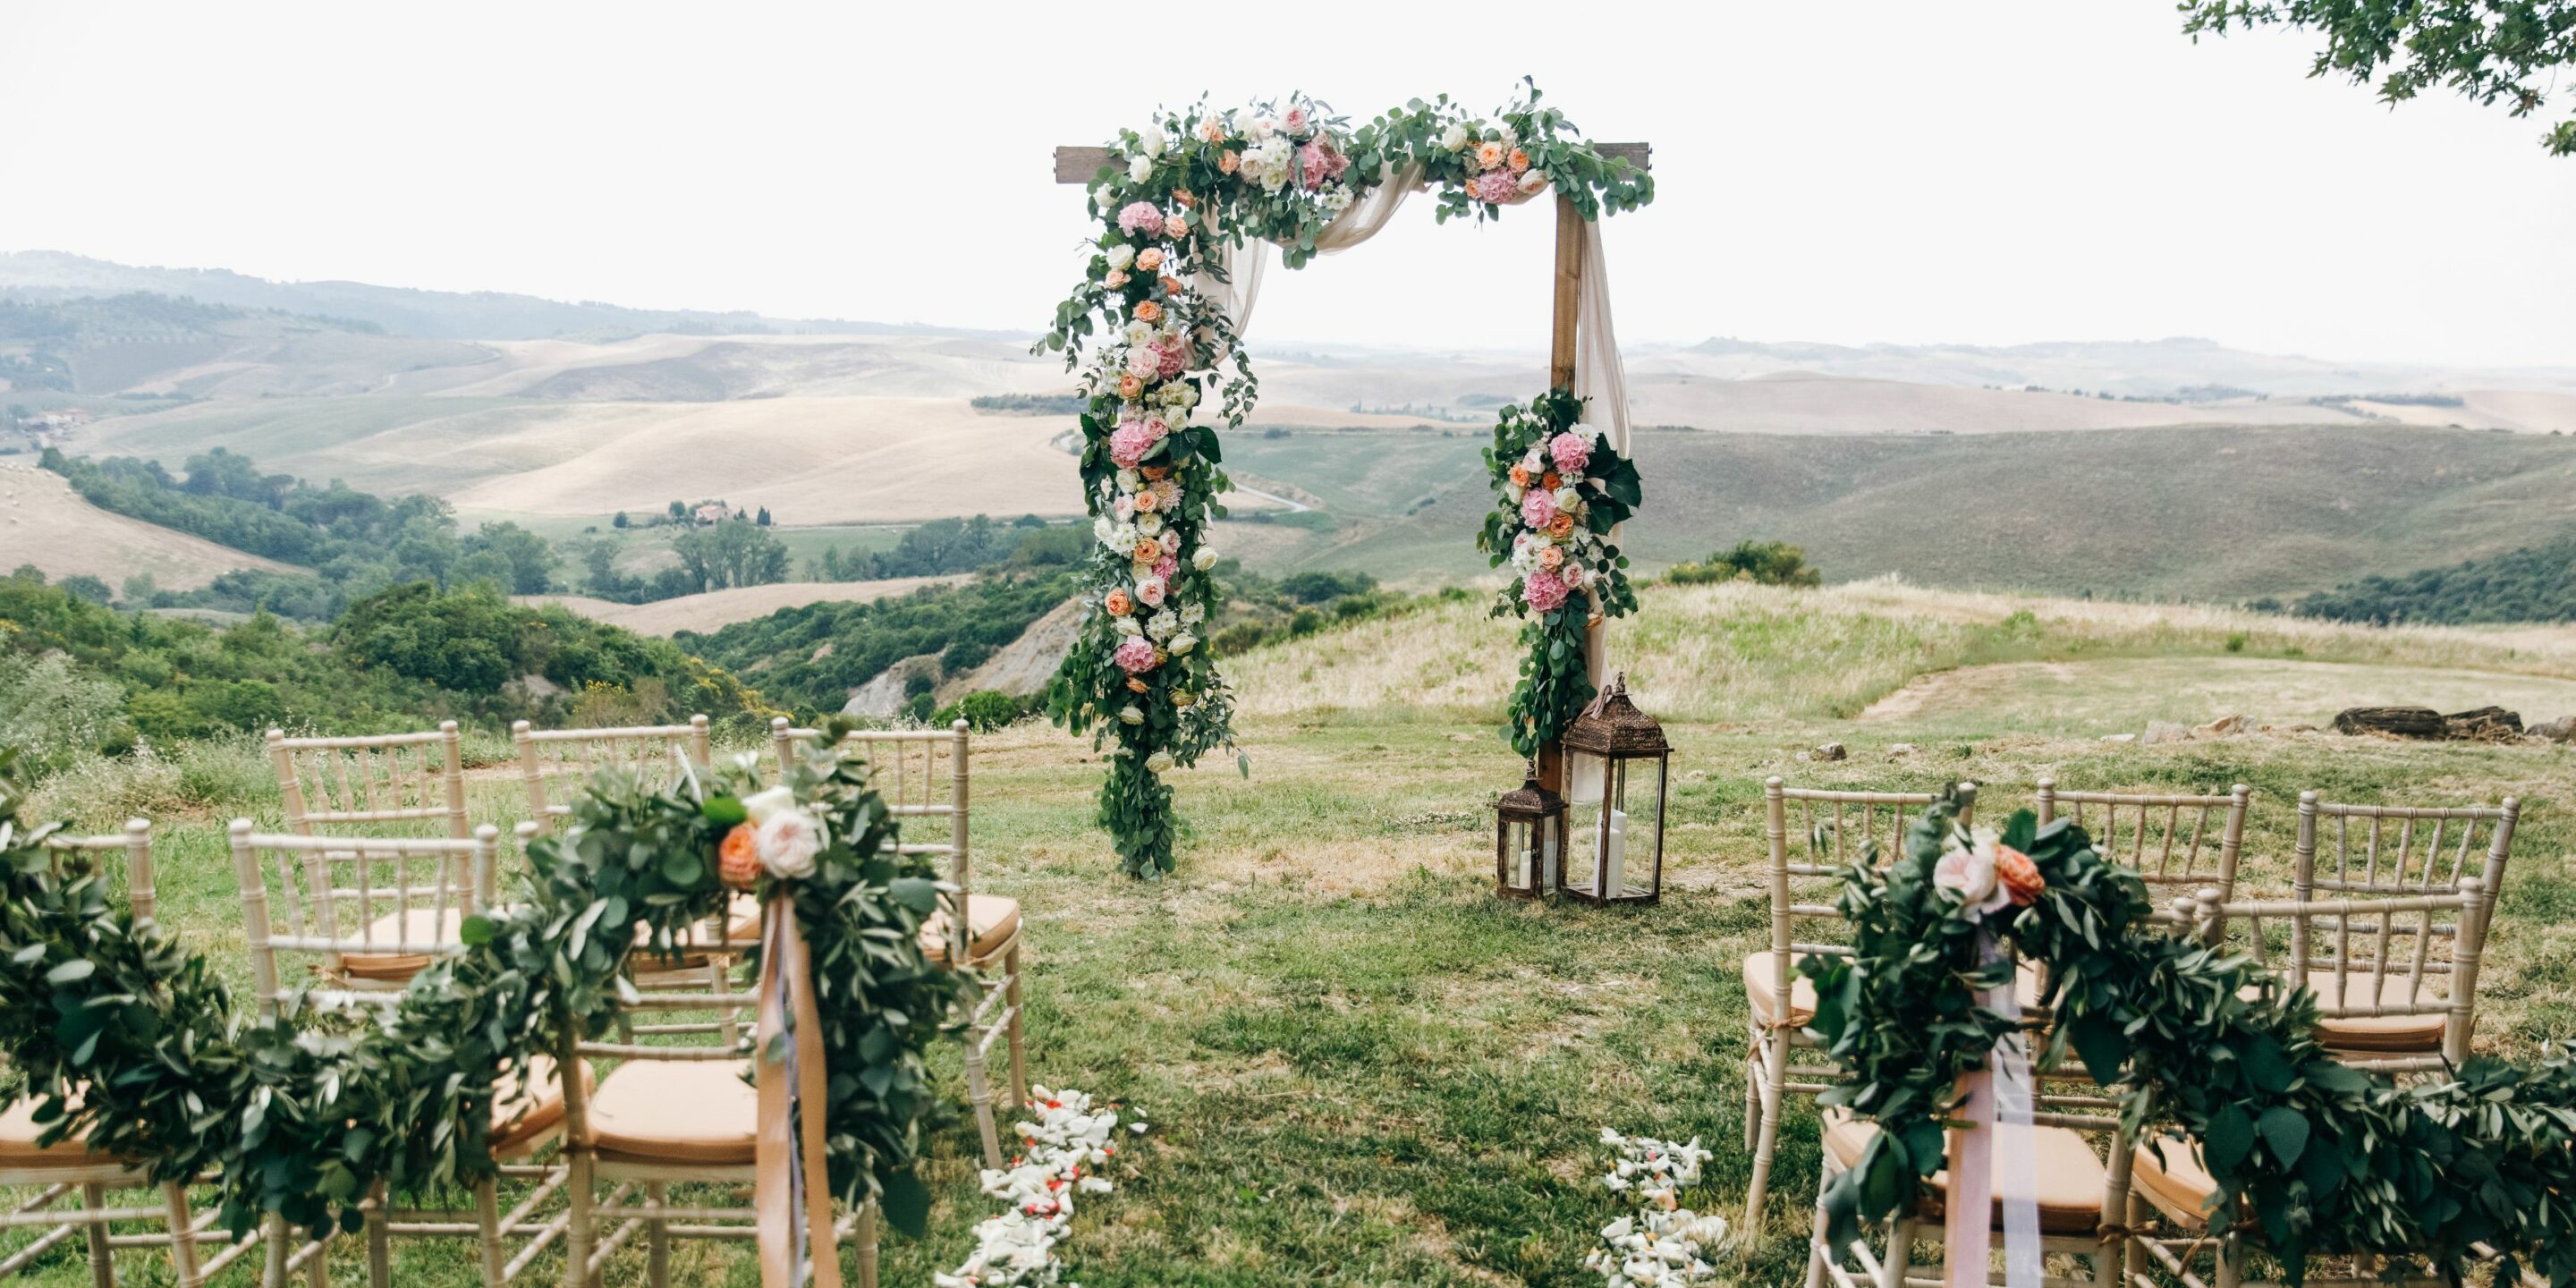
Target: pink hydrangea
{"x": 1571, "y": 452}
{"x": 1494, "y": 186}
{"x": 1168, "y": 566}
{"x": 1141, "y": 217}
{"x": 1543, "y": 591}
{"x": 1538, "y": 506}
{"x": 1156, "y": 428}
{"x": 1173, "y": 356}
{"x": 1135, "y": 653}
{"x": 1321, "y": 163}
{"x": 1129, "y": 443}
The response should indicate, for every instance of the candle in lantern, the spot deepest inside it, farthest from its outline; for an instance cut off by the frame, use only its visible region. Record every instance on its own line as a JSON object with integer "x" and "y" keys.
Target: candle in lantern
{"x": 1614, "y": 855}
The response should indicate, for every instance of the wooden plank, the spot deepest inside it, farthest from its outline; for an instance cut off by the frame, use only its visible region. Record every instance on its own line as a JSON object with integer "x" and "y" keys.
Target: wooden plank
{"x": 1082, "y": 165}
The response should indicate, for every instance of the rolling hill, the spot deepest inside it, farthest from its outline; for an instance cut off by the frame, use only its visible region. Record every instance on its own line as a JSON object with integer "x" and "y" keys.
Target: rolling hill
{"x": 45, "y": 523}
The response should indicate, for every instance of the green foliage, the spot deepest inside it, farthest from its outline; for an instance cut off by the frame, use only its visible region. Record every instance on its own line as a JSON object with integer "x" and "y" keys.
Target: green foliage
{"x": 1555, "y": 681}
{"x": 1322, "y": 587}
{"x": 733, "y": 552}
{"x": 2527, "y": 585}
{"x": 1768, "y": 563}
{"x": 984, "y": 711}
{"x": 2507, "y": 51}
{"x": 2328, "y": 1158}
{"x": 787, "y": 654}
{"x": 1032, "y": 404}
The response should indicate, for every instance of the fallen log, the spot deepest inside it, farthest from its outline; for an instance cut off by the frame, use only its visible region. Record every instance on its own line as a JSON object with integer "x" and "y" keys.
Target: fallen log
{"x": 2486, "y": 724}
{"x": 2400, "y": 722}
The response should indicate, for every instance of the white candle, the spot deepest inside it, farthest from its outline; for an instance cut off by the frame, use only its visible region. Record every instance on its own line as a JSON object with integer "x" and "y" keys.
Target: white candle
{"x": 1614, "y": 856}
{"x": 1548, "y": 861}
{"x": 1521, "y": 865}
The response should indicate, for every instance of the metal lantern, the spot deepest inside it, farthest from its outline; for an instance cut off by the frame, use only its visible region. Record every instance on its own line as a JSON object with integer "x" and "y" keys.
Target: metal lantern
{"x": 1619, "y": 767}
{"x": 1529, "y": 839}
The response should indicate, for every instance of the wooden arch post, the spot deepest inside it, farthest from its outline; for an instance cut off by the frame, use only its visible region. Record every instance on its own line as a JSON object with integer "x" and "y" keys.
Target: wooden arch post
{"x": 1082, "y": 165}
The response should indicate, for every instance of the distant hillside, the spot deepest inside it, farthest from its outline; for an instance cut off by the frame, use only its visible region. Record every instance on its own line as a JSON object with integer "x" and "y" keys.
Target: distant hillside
{"x": 2528, "y": 585}
{"x": 44, "y": 522}
{"x": 2203, "y": 512}
{"x": 436, "y": 315}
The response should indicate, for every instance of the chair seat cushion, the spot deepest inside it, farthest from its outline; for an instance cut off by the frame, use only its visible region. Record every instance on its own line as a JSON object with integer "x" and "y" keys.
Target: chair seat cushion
{"x": 2071, "y": 1176}
{"x": 2388, "y": 1033}
{"x": 536, "y": 1089}
{"x": 18, "y": 1132}
{"x": 2176, "y": 1184}
{"x": 1760, "y": 977}
{"x": 676, "y": 1111}
{"x": 991, "y": 921}
{"x": 412, "y": 930}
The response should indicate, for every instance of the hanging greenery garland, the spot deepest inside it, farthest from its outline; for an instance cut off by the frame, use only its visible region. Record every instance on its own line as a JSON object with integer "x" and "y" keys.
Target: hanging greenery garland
{"x": 1560, "y": 492}
{"x": 1174, "y": 194}
{"x": 2316, "y": 1155}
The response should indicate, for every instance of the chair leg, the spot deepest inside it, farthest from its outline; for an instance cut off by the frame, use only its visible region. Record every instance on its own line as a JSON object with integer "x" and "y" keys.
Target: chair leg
{"x": 1900, "y": 1251}
{"x": 380, "y": 1241}
{"x": 487, "y": 1214}
{"x": 274, "y": 1247}
{"x": 979, "y": 1088}
{"x": 657, "y": 1236}
{"x": 184, "y": 1269}
{"x": 866, "y": 1239}
{"x": 1766, "y": 1145}
{"x": 317, "y": 1268}
{"x": 577, "y": 1231}
{"x": 102, "y": 1260}
{"x": 1815, "y": 1236}
{"x": 1019, "y": 1048}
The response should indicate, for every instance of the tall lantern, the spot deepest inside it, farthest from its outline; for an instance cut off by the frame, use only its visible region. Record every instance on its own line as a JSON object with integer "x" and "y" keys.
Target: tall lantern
{"x": 1529, "y": 839}
{"x": 1620, "y": 767}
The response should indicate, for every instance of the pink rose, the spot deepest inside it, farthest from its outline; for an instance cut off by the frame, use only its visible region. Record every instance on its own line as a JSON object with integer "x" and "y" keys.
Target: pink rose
{"x": 1537, "y": 507}
{"x": 1494, "y": 187}
{"x": 1141, "y": 217}
{"x": 1171, "y": 542}
{"x": 1144, "y": 364}
{"x": 1320, "y": 163}
{"x": 1150, "y": 591}
{"x": 1295, "y": 121}
{"x": 1570, "y": 451}
{"x": 1135, "y": 653}
{"x": 1156, "y": 428}
{"x": 1168, "y": 566}
{"x": 1544, "y": 591}
{"x": 1129, "y": 443}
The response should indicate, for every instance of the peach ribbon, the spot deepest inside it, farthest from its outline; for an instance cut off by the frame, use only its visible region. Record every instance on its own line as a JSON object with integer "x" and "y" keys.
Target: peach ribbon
{"x": 793, "y": 1168}
{"x": 1997, "y": 1145}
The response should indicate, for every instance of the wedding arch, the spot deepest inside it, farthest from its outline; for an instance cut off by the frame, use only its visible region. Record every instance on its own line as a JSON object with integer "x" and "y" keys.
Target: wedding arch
{"x": 1189, "y": 206}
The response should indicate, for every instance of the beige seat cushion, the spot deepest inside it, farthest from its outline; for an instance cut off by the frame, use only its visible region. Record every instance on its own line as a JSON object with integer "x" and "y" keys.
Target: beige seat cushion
{"x": 991, "y": 920}
{"x": 676, "y": 1111}
{"x": 1759, "y": 991}
{"x": 2387, "y": 1033}
{"x": 2071, "y": 1176}
{"x": 2176, "y": 1184}
{"x": 538, "y": 1091}
{"x": 18, "y": 1148}
{"x": 413, "y": 928}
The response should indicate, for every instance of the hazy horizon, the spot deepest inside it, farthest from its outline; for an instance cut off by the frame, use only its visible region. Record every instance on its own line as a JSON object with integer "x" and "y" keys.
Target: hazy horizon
{"x": 2054, "y": 175}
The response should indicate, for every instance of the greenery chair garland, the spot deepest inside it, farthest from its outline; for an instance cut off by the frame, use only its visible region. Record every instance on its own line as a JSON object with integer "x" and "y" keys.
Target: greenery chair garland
{"x": 2311, "y": 1155}
{"x": 306, "y": 1115}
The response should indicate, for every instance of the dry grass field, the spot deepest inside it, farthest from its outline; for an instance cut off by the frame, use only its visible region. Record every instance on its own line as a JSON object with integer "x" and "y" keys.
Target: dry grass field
{"x": 1362, "y": 1069}
{"x": 718, "y": 608}
{"x": 43, "y": 522}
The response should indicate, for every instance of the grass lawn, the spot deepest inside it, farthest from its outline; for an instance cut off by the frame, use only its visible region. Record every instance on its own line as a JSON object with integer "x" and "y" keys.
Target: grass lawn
{"x": 1363, "y": 1069}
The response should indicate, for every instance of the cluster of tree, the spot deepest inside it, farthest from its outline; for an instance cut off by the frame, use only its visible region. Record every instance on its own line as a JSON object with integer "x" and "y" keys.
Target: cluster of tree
{"x": 1769, "y": 563}
{"x": 2534, "y": 584}
{"x": 810, "y": 658}
{"x": 354, "y": 542}
{"x": 77, "y": 676}
{"x": 943, "y": 547}
{"x": 1032, "y": 404}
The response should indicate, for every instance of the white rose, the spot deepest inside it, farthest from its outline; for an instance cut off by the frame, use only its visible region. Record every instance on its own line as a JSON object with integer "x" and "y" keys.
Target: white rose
{"x": 1122, "y": 257}
{"x": 763, "y": 806}
{"x": 1568, "y": 500}
{"x": 1512, "y": 492}
{"x": 1104, "y": 532}
{"x": 1137, "y": 334}
{"x": 1140, "y": 169}
{"x": 789, "y": 841}
{"x": 1153, "y": 140}
{"x": 1241, "y": 121}
{"x": 1204, "y": 559}
{"x": 1102, "y": 198}
{"x": 1159, "y": 763}
{"x": 1533, "y": 182}
{"x": 1130, "y": 715}
{"x": 1127, "y": 626}
{"x": 1128, "y": 479}
{"x": 1453, "y": 138}
{"x": 1182, "y": 644}
{"x": 1149, "y": 525}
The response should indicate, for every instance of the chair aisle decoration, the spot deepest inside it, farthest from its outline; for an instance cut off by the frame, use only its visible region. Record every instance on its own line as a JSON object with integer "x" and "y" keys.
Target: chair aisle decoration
{"x": 2307, "y": 1156}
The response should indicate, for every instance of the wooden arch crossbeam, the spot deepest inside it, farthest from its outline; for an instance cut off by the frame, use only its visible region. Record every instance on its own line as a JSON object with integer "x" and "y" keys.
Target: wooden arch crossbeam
{"x": 1082, "y": 165}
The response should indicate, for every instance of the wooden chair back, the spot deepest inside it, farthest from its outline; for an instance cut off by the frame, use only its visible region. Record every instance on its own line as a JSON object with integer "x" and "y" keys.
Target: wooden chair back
{"x": 136, "y": 843}
{"x": 922, "y": 773}
{"x": 2378, "y": 850}
{"x": 553, "y": 763}
{"x": 405, "y": 782}
{"x": 2185, "y": 841}
{"x": 2406, "y": 955}
{"x": 1838, "y": 826}
{"x": 341, "y": 897}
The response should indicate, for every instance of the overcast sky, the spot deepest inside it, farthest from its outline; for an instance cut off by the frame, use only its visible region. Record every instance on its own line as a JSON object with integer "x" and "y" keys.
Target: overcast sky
{"x": 1985, "y": 171}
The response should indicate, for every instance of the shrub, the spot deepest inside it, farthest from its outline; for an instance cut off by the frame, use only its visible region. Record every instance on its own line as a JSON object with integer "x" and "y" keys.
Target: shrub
{"x": 983, "y": 711}
{"x": 1768, "y": 563}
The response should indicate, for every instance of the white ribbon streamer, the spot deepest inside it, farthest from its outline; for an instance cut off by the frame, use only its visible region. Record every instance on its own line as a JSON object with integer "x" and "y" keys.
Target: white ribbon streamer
{"x": 1997, "y": 1154}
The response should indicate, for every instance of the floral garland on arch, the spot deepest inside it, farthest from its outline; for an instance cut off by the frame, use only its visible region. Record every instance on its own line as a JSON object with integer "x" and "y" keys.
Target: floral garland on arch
{"x": 2311, "y": 1154}
{"x": 1178, "y": 194}
{"x": 1561, "y": 492}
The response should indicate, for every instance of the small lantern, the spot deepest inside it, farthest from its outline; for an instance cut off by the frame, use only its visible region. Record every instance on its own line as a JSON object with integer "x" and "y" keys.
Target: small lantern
{"x": 1529, "y": 839}
{"x": 1620, "y": 767}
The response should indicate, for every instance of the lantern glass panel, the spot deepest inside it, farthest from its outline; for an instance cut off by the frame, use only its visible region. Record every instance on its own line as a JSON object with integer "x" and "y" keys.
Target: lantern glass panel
{"x": 1613, "y": 842}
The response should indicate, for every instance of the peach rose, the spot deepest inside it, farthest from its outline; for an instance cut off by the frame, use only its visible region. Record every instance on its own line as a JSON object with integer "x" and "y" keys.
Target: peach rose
{"x": 1135, "y": 685}
{"x": 1551, "y": 557}
{"x": 1129, "y": 387}
{"x": 1177, "y": 223}
{"x": 1561, "y": 527}
{"x": 1147, "y": 551}
{"x": 738, "y": 858}
{"x": 1146, "y": 501}
{"x": 1150, "y": 258}
{"x": 1156, "y": 473}
{"x": 1488, "y": 155}
{"x": 1118, "y": 604}
{"x": 1551, "y": 480}
{"x": 1519, "y": 160}
{"x": 1520, "y": 476}
{"x": 1149, "y": 311}
{"x": 1114, "y": 279}
{"x": 1171, "y": 285}
{"x": 1229, "y": 161}
{"x": 2020, "y": 876}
